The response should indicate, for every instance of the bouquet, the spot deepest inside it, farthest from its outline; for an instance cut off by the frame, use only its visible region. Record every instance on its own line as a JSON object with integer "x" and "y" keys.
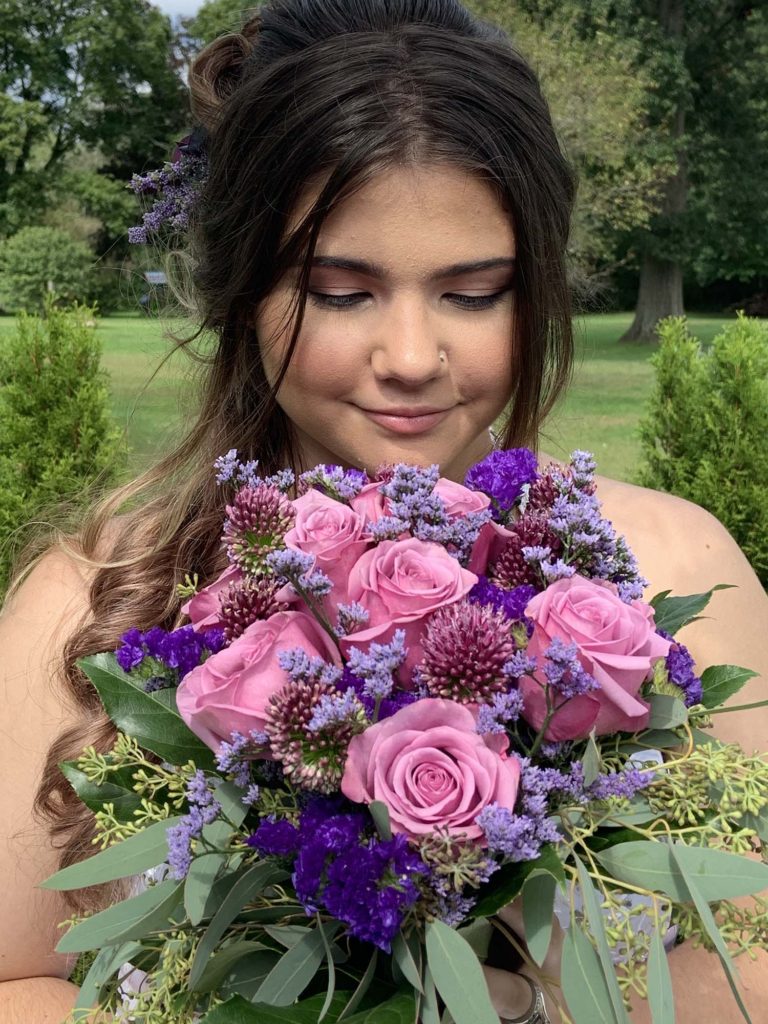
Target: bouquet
{"x": 404, "y": 703}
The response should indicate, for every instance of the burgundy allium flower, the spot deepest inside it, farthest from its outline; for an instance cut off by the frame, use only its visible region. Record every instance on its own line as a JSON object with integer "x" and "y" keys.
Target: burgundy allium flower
{"x": 245, "y": 601}
{"x": 465, "y": 649}
{"x": 511, "y": 568}
{"x": 257, "y": 521}
{"x": 313, "y": 759}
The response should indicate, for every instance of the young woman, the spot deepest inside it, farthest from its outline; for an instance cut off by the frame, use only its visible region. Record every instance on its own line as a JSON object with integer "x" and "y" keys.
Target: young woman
{"x": 379, "y": 252}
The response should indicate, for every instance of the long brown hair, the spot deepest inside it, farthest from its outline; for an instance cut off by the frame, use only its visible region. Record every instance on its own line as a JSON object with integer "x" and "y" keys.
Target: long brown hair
{"x": 307, "y": 92}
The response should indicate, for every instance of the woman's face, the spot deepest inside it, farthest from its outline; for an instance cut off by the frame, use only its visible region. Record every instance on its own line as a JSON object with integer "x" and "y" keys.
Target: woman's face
{"x": 407, "y": 359}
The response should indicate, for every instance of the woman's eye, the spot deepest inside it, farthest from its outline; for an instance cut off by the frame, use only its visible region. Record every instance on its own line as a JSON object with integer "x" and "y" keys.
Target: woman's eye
{"x": 355, "y": 298}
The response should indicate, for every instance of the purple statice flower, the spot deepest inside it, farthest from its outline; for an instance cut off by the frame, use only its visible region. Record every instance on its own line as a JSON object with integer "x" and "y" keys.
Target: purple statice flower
{"x": 504, "y": 708}
{"x": 300, "y": 668}
{"x": 623, "y": 784}
{"x": 521, "y": 664}
{"x": 275, "y": 838}
{"x": 512, "y": 602}
{"x": 131, "y": 652}
{"x": 350, "y": 618}
{"x": 297, "y": 568}
{"x": 502, "y": 476}
{"x": 371, "y": 886}
{"x": 388, "y": 706}
{"x": 680, "y": 669}
{"x": 466, "y": 646}
{"x": 564, "y": 672}
{"x": 557, "y": 570}
{"x": 377, "y": 666}
{"x": 517, "y": 837}
{"x": 387, "y": 528}
{"x": 203, "y": 810}
{"x": 335, "y": 481}
{"x": 251, "y": 795}
{"x": 324, "y": 833}
{"x": 283, "y": 480}
{"x": 180, "y": 650}
{"x": 457, "y": 534}
{"x": 233, "y": 758}
{"x": 226, "y": 466}
{"x": 337, "y": 709}
{"x": 175, "y": 187}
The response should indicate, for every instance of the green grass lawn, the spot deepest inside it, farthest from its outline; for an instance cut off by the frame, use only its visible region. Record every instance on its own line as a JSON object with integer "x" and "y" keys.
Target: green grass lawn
{"x": 600, "y": 412}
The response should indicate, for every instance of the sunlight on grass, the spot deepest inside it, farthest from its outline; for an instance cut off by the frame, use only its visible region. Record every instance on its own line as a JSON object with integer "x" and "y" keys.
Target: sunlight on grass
{"x": 600, "y": 412}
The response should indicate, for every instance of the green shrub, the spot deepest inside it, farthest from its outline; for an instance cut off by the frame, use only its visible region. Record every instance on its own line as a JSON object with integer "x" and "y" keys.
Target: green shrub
{"x": 38, "y": 261}
{"x": 704, "y": 435}
{"x": 56, "y": 435}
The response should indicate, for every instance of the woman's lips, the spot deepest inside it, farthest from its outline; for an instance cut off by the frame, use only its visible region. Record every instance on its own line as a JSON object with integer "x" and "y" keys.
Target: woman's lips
{"x": 407, "y": 423}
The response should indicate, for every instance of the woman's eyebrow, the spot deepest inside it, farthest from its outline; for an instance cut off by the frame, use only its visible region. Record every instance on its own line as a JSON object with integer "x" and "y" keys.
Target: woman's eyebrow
{"x": 376, "y": 270}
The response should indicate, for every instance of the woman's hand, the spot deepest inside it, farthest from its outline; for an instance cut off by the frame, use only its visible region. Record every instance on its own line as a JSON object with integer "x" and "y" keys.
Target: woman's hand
{"x": 510, "y": 993}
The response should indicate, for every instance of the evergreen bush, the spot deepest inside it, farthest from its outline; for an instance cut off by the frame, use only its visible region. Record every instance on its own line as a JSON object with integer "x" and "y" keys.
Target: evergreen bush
{"x": 57, "y": 440}
{"x": 39, "y": 261}
{"x": 704, "y": 434}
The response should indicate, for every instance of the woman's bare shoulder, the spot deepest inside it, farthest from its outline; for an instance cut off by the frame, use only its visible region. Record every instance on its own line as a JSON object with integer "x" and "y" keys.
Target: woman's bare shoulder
{"x": 683, "y": 548}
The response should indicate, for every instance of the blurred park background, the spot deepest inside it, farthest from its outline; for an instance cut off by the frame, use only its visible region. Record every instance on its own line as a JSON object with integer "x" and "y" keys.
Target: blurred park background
{"x": 662, "y": 106}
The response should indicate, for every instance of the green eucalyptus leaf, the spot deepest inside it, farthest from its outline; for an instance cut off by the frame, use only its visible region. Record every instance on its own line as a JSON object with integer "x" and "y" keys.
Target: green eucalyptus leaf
{"x": 430, "y": 1011}
{"x": 287, "y": 934}
{"x": 538, "y": 912}
{"x": 404, "y": 956}
{"x": 672, "y": 613}
{"x": 719, "y": 682}
{"x": 238, "y": 1010}
{"x": 331, "y": 971}
{"x": 757, "y": 822}
{"x": 117, "y": 790}
{"x": 701, "y": 901}
{"x": 592, "y": 762}
{"x": 508, "y": 882}
{"x": 363, "y": 985}
{"x": 400, "y": 1009}
{"x": 220, "y": 965}
{"x": 661, "y": 999}
{"x": 199, "y": 883}
{"x": 230, "y": 797}
{"x": 458, "y": 976}
{"x": 246, "y": 975}
{"x": 596, "y": 921}
{"x": 106, "y": 963}
{"x": 253, "y": 881}
{"x": 666, "y": 711}
{"x": 295, "y": 969}
{"x": 583, "y": 982}
{"x": 138, "y": 853}
{"x": 656, "y": 866}
{"x": 380, "y": 814}
{"x": 150, "y": 718}
{"x": 134, "y": 918}
{"x": 651, "y": 739}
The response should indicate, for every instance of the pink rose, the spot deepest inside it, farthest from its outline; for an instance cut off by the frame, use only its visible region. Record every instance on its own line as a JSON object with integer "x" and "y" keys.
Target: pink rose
{"x": 230, "y": 691}
{"x": 400, "y": 583}
{"x": 370, "y": 503}
{"x": 459, "y": 500}
{"x": 330, "y": 531}
{"x": 492, "y": 540}
{"x": 431, "y": 768}
{"x": 617, "y": 645}
{"x": 203, "y": 608}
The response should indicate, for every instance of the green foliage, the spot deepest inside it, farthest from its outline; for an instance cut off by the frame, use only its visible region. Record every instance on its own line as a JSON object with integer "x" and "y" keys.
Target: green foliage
{"x": 703, "y": 436}
{"x": 56, "y": 436}
{"x": 38, "y": 261}
{"x": 216, "y": 17}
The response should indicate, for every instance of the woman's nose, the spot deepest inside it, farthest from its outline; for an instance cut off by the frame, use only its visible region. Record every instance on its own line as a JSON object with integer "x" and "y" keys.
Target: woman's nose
{"x": 408, "y": 347}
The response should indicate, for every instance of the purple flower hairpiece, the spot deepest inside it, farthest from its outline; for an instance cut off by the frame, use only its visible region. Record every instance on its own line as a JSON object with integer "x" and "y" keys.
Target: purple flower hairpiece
{"x": 175, "y": 187}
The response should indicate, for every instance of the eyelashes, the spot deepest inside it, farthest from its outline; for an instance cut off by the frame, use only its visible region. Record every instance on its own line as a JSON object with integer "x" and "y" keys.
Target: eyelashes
{"x": 470, "y": 302}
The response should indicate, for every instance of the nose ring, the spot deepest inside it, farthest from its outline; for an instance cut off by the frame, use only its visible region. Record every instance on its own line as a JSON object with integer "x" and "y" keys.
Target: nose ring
{"x": 442, "y": 357}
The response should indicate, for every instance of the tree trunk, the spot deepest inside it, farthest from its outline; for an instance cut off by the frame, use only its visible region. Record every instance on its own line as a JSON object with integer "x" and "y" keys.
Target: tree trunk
{"x": 660, "y": 294}
{"x": 660, "y": 291}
